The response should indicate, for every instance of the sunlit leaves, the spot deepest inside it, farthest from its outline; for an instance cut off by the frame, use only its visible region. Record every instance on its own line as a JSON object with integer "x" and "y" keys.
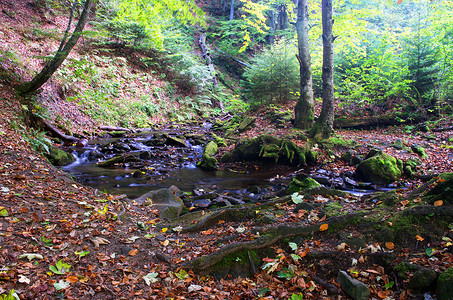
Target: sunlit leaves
{"x": 150, "y": 278}
{"x": 60, "y": 267}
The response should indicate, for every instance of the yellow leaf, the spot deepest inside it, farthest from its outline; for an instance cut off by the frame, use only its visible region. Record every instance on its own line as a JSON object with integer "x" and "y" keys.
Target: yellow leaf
{"x": 389, "y": 245}
{"x": 419, "y": 238}
{"x": 323, "y": 227}
{"x": 164, "y": 229}
{"x": 438, "y": 203}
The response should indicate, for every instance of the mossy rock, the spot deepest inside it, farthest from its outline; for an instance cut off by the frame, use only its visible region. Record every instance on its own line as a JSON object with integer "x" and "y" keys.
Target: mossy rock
{"x": 59, "y": 157}
{"x": 423, "y": 280}
{"x": 398, "y": 144}
{"x": 419, "y": 150}
{"x": 221, "y": 142}
{"x": 226, "y": 157}
{"x": 208, "y": 160}
{"x": 443, "y": 189}
{"x": 445, "y": 285}
{"x": 267, "y": 147}
{"x": 380, "y": 169}
{"x": 301, "y": 182}
{"x": 246, "y": 124}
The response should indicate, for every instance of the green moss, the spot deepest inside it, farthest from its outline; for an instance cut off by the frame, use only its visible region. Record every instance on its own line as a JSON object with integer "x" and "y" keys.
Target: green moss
{"x": 59, "y": 157}
{"x": 301, "y": 182}
{"x": 208, "y": 161}
{"x": 380, "y": 169}
{"x": 334, "y": 209}
{"x": 445, "y": 285}
{"x": 221, "y": 142}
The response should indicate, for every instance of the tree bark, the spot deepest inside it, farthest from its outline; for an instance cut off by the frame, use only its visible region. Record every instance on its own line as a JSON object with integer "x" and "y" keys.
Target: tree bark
{"x": 304, "y": 110}
{"x": 232, "y": 10}
{"x": 323, "y": 127}
{"x": 59, "y": 57}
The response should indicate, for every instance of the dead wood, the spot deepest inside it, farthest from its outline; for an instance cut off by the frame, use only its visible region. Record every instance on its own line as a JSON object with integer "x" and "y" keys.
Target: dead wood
{"x": 112, "y": 128}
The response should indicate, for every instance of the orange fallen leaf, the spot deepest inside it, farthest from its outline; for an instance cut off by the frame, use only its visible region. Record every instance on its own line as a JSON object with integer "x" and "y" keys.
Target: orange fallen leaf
{"x": 389, "y": 245}
{"x": 404, "y": 202}
{"x": 72, "y": 279}
{"x": 207, "y": 232}
{"x": 438, "y": 203}
{"x": 383, "y": 294}
{"x": 419, "y": 238}
{"x": 304, "y": 252}
{"x": 323, "y": 227}
{"x": 133, "y": 252}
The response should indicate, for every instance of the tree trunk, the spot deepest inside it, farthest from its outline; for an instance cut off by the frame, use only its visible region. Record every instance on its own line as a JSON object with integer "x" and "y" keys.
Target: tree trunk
{"x": 304, "y": 110}
{"x": 59, "y": 57}
{"x": 232, "y": 10}
{"x": 323, "y": 127}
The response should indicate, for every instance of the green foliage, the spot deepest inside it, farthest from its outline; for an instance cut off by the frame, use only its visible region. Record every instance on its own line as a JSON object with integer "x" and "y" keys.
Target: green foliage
{"x": 12, "y": 295}
{"x": 273, "y": 75}
{"x": 60, "y": 268}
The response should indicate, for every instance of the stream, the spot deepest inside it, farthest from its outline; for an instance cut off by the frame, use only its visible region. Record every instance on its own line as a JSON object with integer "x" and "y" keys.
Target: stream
{"x": 160, "y": 159}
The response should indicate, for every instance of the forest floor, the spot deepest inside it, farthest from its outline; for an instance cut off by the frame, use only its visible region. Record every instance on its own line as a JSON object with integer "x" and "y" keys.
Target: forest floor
{"x": 62, "y": 240}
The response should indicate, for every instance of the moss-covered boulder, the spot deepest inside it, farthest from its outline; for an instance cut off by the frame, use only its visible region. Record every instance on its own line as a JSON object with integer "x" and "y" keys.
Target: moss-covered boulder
{"x": 59, "y": 157}
{"x": 247, "y": 123}
{"x": 301, "y": 182}
{"x": 267, "y": 147}
{"x": 380, "y": 169}
{"x": 445, "y": 285}
{"x": 208, "y": 160}
{"x": 423, "y": 280}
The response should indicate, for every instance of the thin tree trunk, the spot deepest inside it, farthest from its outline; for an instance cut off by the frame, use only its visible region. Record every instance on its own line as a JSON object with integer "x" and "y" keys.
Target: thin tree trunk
{"x": 324, "y": 124}
{"x": 232, "y": 10}
{"x": 59, "y": 57}
{"x": 304, "y": 110}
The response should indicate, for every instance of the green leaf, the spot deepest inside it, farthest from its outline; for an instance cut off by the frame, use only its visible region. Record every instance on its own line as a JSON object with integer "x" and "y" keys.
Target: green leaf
{"x": 389, "y": 285}
{"x": 82, "y": 253}
{"x": 293, "y": 246}
{"x": 295, "y": 257}
{"x": 3, "y": 213}
{"x": 182, "y": 274}
{"x": 429, "y": 251}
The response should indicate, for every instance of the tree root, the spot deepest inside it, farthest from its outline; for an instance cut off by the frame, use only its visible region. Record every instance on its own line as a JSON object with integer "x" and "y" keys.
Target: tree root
{"x": 231, "y": 214}
{"x": 269, "y": 236}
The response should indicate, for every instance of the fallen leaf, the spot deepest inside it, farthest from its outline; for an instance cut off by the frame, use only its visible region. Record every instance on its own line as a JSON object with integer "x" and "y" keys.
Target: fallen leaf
{"x": 438, "y": 203}
{"x": 164, "y": 229}
{"x": 323, "y": 227}
{"x": 404, "y": 202}
{"x": 207, "y": 232}
{"x": 133, "y": 252}
{"x": 165, "y": 243}
{"x": 389, "y": 245}
{"x": 23, "y": 279}
{"x": 31, "y": 256}
{"x": 419, "y": 238}
{"x": 194, "y": 288}
{"x": 383, "y": 294}
{"x": 150, "y": 278}
{"x": 72, "y": 279}
{"x": 342, "y": 246}
{"x": 99, "y": 241}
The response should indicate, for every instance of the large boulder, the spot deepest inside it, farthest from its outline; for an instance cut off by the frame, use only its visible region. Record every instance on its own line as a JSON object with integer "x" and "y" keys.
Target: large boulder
{"x": 208, "y": 160}
{"x": 380, "y": 168}
{"x": 267, "y": 147}
{"x": 59, "y": 157}
{"x": 164, "y": 200}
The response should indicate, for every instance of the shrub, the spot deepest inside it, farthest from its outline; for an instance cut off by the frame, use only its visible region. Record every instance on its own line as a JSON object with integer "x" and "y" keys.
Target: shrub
{"x": 273, "y": 75}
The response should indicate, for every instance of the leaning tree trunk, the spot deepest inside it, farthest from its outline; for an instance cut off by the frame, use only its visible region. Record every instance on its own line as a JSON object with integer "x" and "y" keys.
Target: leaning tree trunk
{"x": 304, "y": 110}
{"x": 323, "y": 127}
{"x": 60, "y": 55}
